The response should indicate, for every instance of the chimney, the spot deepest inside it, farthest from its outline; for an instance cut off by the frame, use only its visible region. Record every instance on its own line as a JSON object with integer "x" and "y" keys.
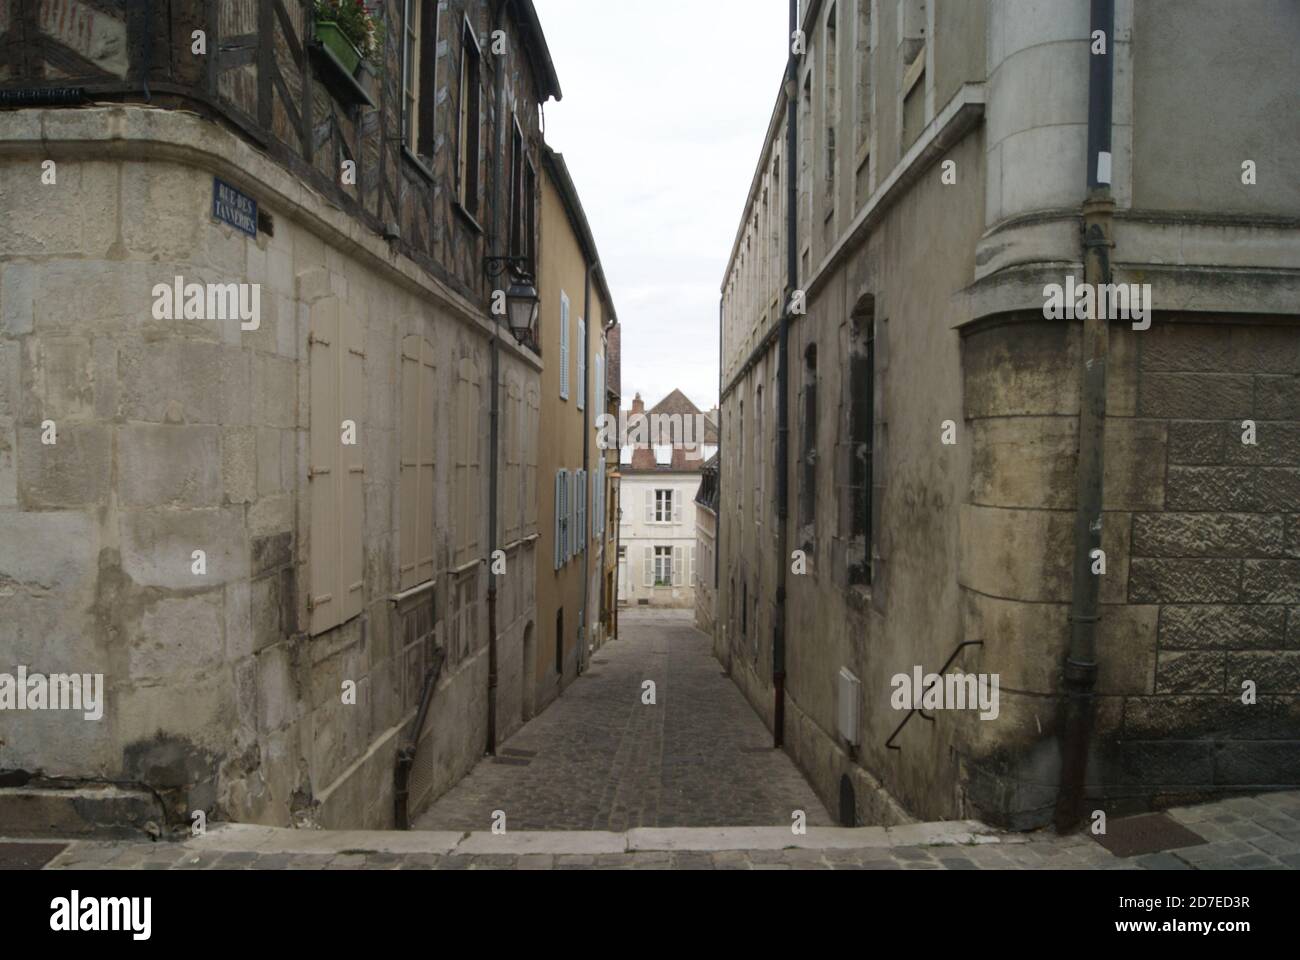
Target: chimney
{"x": 638, "y": 405}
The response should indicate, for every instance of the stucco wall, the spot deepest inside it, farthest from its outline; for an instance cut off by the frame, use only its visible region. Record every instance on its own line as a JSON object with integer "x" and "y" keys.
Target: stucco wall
{"x": 637, "y": 535}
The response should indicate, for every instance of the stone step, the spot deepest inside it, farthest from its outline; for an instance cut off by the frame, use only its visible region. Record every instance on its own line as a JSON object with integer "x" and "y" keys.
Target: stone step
{"x": 242, "y": 838}
{"x": 77, "y": 812}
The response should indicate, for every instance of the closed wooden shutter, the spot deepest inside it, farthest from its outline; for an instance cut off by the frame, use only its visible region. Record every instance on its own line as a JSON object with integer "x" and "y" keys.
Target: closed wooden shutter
{"x": 469, "y": 521}
{"x": 513, "y": 411}
{"x": 533, "y": 412}
{"x": 574, "y": 491}
{"x": 650, "y": 506}
{"x": 677, "y": 506}
{"x": 649, "y": 565}
{"x": 580, "y": 527}
{"x": 337, "y": 471}
{"x": 323, "y": 473}
{"x": 352, "y": 482}
{"x": 679, "y": 565}
{"x": 416, "y": 474}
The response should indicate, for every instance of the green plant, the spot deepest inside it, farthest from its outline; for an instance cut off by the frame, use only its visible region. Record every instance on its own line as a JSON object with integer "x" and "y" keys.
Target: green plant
{"x": 358, "y": 22}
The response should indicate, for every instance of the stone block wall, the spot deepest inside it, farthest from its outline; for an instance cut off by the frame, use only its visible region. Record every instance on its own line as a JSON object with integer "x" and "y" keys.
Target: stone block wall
{"x": 1202, "y": 576}
{"x": 180, "y": 435}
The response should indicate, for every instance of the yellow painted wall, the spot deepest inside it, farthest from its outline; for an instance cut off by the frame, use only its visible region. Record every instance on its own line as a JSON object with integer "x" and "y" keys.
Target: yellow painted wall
{"x": 562, "y": 270}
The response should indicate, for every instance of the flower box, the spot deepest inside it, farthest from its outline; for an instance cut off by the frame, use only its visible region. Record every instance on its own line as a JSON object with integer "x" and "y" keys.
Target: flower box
{"x": 336, "y": 42}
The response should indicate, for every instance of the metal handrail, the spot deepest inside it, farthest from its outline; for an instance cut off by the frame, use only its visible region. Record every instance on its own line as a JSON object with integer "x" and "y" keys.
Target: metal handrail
{"x": 889, "y": 744}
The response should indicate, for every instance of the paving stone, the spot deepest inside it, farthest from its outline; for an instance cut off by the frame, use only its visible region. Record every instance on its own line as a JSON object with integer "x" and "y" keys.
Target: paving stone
{"x": 1254, "y": 861}
{"x": 911, "y": 853}
{"x": 692, "y": 861}
{"x": 1162, "y": 861}
{"x": 601, "y": 760}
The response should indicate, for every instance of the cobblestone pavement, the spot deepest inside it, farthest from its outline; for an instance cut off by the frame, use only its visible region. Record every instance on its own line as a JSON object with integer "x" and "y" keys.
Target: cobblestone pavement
{"x": 599, "y": 759}
{"x": 1240, "y": 834}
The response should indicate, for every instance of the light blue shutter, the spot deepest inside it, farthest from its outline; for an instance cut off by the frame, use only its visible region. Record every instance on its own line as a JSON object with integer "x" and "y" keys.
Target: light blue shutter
{"x": 565, "y": 507}
{"x": 559, "y": 519}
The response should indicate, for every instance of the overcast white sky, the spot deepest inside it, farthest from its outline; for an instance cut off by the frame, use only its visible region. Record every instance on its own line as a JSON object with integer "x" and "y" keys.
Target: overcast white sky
{"x": 665, "y": 106}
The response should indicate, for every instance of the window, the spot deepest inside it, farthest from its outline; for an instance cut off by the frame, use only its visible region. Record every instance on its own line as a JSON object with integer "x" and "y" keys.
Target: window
{"x": 561, "y": 518}
{"x": 559, "y": 642}
{"x": 857, "y": 507}
{"x": 564, "y": 345}
{"x": 832, "y": 102}
{"x": 808, "y": 485}
{"x": 582, "y": 363}
{"x": 740, "y": 457}
{"x": 663, "y": 566}
{"x": 911, "y": 41}
{"x": 469, "y": 519}
{"x": 806, "y": 167}
{"x": 419, "y": 86}
{"x": 911, "y": 29}
{"x": 416, "y": 470}
{"x": 336, "y": 469}
{"x": 463, "y": 627}
{"x": 517, "y": 218}
{"x": 467, "y": 166}
{"x": 758, "y": 451}
{"x": 663, "y": 506}
{"x": 863, "y": 61}
{"x": 663, "y": 454}
{"x": 579, "y": 511}
{"x": 530, "y": 217}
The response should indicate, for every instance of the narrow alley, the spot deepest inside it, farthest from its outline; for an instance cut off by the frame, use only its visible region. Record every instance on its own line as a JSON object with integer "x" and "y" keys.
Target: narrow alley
{"x": 600, "y": 759}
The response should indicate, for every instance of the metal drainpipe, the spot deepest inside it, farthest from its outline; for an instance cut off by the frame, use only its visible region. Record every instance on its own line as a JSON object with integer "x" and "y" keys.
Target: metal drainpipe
{"x": 585, "y": 619}
{"x": 1098, "y": 211}
{"x": 783, "y": 387}
{"x": 494, "y": 419}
